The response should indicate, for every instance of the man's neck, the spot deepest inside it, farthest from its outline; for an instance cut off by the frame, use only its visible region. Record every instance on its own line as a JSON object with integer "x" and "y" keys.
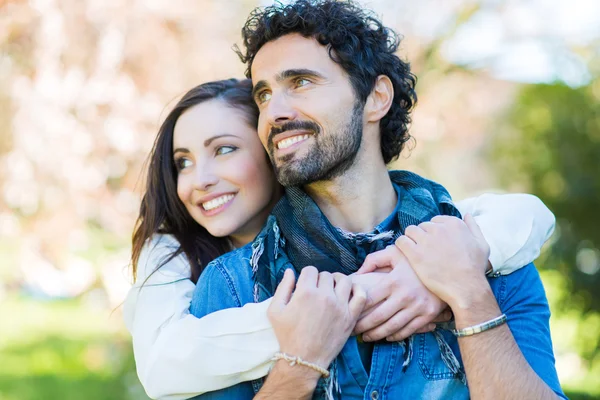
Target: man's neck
{"x": 358, "y": 200}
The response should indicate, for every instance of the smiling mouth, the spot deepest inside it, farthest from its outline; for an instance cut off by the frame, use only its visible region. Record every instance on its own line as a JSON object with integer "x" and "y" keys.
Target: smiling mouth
{"x": 289, "y": 142}
{"x": 218, "y": 202}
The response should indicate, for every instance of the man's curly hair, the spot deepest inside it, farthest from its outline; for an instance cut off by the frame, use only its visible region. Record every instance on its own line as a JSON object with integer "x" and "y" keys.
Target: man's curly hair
{"x": 356, "y": 40}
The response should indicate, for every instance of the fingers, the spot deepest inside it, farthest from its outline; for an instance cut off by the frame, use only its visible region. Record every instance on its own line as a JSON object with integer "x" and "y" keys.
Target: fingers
{"x": 473, "y": 227}
{"x": 309, "y": 277}
{"x": 428, "y": 226}
{"x": 283, "y": 294}
{"x": 325, "y": 281}
{"x": 417, "y": 325}
{"x": 425, "y": 329}
{"x": 343, "y": 286}
{"x": 415, "y": 233}
{"x": 357, "y": 302}
{"x": 441, "y": 219}
{"x": 379, "y": 315}
{"x": 407, "y": 246}
{"x": 377, "y": 294}
{"x": 376, "y": 260}
{"x": 390, "y": 327}
{"x": 444, "y": 316}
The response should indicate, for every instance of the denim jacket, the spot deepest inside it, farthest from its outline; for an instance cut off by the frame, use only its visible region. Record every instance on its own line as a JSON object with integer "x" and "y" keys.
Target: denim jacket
{"x": 428, "y": 366}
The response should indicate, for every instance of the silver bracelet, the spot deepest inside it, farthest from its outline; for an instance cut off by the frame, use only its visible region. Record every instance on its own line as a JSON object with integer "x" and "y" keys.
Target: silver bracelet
{"x": 485, "y": 326}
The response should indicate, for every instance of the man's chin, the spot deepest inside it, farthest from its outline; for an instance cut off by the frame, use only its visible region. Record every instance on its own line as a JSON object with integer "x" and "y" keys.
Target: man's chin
{"x": 288, "y": 176}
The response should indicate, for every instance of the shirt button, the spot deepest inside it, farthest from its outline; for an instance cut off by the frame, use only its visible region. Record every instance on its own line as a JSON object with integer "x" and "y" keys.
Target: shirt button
{"x": 374, "y": 395}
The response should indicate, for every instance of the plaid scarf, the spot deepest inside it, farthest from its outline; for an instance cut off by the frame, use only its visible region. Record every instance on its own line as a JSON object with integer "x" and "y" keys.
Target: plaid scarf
{"x": 308, "y": 238}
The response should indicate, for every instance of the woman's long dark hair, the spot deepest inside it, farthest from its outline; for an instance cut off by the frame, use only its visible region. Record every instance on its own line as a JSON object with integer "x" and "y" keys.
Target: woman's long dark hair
{"x": 161, "y": 210}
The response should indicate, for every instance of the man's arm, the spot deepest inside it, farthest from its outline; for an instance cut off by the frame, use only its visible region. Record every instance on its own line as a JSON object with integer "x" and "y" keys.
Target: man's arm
{"x": 519, "y": 352}
{"x": 289, "y": 383}
{"x": 450, "y": 257}
{"x": 514, "y": 225}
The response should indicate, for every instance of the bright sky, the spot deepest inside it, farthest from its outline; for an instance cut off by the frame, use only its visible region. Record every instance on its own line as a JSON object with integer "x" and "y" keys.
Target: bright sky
{"x": 521, "y": 40}
{"x": 531, "y": 41}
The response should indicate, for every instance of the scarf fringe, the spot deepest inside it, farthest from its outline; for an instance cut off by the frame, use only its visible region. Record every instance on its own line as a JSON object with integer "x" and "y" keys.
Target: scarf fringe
{"x": 449, "y": 358}
{"x": 258, "y": 247}
{"x": 408, "y": 347}
{"x": 367, "y": 237}
{"x": 331, "y": 384}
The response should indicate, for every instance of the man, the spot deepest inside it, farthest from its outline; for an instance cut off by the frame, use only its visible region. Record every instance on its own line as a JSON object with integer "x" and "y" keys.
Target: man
{"x": 334, "y": 104}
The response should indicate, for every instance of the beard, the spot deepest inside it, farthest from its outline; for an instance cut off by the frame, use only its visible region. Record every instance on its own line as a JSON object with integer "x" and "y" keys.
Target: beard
{"x": 327, "y": 159}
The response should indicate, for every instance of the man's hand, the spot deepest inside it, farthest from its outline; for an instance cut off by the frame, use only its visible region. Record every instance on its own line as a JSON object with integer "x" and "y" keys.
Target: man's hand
{"x": 450, "y": 257}
{"x": 316, "y": 320}
{"x": 398, "y": 305}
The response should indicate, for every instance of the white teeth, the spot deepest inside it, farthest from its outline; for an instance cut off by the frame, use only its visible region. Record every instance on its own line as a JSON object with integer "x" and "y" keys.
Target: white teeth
{"x": 219, "y": 201}
{"x": 285, "y": 143}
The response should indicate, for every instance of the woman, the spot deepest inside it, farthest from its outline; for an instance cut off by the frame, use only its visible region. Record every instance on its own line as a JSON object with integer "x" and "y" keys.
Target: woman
{"x": 210, "y": 188}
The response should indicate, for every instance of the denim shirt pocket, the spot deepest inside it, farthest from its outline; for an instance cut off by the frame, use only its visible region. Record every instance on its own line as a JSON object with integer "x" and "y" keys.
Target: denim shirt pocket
{"x": 439, "y": 361}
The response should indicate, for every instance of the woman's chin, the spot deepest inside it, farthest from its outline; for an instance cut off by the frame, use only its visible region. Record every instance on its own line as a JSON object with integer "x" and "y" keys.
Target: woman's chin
{"x": 220, "y": 231}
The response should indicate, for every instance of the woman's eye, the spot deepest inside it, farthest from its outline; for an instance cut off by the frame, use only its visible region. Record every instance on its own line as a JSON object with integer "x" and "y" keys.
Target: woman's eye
{"x": 182, "y": 163}
{"x": 221, "y": 150}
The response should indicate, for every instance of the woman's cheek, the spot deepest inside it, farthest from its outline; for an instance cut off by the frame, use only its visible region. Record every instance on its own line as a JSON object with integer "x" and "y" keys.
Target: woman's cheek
{"x": 182, "y": 190}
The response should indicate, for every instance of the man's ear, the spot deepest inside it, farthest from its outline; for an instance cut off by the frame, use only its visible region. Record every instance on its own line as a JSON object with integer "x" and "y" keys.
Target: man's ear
{"x": 380, "y": 100}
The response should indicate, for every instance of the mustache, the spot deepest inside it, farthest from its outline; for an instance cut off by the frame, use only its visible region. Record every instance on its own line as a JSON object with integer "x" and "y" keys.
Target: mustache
{"x": 293, "y": 126}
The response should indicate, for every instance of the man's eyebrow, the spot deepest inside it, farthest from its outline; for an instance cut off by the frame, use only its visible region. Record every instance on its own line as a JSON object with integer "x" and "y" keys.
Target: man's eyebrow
{"x": 292, "y": 73}
{"x": 287, "y": 74}
{"x": 260, "y": 85}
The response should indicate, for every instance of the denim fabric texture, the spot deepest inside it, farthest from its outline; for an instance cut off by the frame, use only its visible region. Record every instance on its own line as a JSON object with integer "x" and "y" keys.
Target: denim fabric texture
{"x": 415, "y": 369}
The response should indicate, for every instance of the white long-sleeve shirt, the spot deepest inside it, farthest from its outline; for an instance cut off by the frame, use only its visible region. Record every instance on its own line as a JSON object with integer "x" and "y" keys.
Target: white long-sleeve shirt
{"x": 180, "y": 356}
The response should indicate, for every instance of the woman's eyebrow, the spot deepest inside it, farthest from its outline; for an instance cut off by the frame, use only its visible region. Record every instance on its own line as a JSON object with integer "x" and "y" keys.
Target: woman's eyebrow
{"x": 208, "y": 141}
{"x": 180, "y": 150}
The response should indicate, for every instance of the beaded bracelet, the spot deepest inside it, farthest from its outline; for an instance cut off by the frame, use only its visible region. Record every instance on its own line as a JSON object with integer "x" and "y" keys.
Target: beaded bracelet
{"x": 472, "y": 330}
{"x": 293, "y": 360}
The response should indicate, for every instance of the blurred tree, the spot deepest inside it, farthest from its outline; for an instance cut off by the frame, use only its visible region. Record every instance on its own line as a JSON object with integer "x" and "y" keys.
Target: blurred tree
{"x": 549, "y": 144}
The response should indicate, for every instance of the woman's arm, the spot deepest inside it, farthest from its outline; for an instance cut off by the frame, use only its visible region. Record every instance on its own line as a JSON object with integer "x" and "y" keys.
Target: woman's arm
{"x": 514, "y": 225}
{"x": 178, "y": 355}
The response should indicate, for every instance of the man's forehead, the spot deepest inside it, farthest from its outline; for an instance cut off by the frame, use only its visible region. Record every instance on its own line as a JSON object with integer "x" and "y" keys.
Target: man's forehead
{"x": 292, "y": 51}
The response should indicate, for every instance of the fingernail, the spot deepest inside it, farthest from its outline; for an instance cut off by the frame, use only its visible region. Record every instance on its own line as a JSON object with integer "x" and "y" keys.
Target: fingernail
{"x": 366, "y": 338}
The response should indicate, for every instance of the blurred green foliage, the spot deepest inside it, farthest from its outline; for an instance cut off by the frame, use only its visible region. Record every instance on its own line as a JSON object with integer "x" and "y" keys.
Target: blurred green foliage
{"x": 549, "y": 144}
{"x": 67, "y": 350}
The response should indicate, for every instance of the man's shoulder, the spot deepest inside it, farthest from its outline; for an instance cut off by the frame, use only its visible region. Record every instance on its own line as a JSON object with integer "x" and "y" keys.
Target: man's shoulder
{"x": 231, "y": 259}
{"x": 524, "y": 285}
{"x": 233, "y": 267}
{"x": 225, "y": 282}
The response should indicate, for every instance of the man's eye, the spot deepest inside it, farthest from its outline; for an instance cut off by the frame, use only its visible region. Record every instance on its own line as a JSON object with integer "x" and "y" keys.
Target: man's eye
{"x": 262, "y": 97}
{"x": 182, "y": 163}
{"x": 221, "y": 150}
{"x": 302, "y": 82}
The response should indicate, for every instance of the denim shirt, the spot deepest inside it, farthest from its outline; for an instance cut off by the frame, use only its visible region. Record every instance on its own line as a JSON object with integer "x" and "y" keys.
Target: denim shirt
{"x": 422, "y": 373}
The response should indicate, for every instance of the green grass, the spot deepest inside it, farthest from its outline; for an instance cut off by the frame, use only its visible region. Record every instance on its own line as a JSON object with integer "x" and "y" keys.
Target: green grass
{"x": 76, "y": 349}
{"x": 64, "y": 350}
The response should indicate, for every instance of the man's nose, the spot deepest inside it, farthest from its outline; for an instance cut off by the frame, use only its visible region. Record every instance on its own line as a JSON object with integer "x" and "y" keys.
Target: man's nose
{"x": 279, "y": 109}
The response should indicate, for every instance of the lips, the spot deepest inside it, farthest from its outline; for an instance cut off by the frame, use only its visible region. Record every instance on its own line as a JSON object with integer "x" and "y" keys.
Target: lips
{"x": 290, "y": 141}
{"x": 217, "y": 202}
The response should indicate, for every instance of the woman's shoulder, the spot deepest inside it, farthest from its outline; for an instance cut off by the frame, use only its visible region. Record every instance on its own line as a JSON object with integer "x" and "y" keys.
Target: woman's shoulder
{"x": 158, "y": 257}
